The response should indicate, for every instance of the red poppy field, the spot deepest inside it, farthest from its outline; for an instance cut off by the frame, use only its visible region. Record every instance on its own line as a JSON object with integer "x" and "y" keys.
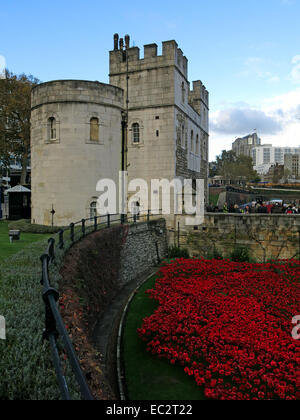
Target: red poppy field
{"x": 229, "y": 325}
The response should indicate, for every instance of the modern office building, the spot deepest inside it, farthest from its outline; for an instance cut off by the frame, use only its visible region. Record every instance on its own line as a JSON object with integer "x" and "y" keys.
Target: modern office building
{"x": 267, "y": 155}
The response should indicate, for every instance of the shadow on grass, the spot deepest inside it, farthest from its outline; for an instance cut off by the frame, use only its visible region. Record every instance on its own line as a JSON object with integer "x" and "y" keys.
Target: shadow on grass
{"x": 147, "y": 376}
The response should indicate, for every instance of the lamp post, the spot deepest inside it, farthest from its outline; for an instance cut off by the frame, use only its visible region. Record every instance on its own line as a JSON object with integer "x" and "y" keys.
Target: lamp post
{"x": 124, "y": 163}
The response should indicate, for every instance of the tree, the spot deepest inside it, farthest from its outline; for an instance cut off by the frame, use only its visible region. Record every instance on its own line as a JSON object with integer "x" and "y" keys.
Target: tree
{"x": 15, "y": 108}
{"x": 230, "y": 166}
{"x": 222, "y": 160}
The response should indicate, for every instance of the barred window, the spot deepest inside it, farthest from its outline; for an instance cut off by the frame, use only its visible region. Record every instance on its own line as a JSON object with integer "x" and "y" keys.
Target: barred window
{"x": 135, "y": 133}
{"x": 94, "y": 129}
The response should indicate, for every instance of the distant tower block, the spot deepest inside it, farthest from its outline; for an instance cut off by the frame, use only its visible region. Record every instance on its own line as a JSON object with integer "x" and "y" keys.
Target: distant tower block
{"x": 75, "y": 142}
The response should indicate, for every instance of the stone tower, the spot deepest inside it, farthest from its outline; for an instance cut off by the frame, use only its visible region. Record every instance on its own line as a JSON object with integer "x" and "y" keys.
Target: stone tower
{"x": 75, "y": 141}
{"x": 167, "y": 121}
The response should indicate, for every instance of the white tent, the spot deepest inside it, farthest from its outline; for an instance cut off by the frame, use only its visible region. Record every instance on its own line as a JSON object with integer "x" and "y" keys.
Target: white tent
{"x": 18, "y": 188}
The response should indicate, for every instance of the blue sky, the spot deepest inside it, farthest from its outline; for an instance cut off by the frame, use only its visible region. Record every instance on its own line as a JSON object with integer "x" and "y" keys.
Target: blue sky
{"x": 246, "y": 52}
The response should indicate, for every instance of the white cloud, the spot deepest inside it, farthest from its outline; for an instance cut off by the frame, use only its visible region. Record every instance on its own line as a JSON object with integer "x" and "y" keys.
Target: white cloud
{"x": 236, "y": 120}
{"x": 257, "y": 67}
{"x": 276, "y": 120}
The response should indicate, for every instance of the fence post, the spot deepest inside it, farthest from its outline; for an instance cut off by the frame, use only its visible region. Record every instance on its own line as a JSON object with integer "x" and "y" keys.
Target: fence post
{"x": 51, "y": 243}
{"x": 72, "y": 232}
{"x": 61, "y": 239}
{"x": 178, "y": 233}
{"x": 83, "y": 227}
{"x": 134, "y": 218}
{"x": 95, "y": 223}
{"x": 148, "y": 216}
{"x": 108, "y": 220}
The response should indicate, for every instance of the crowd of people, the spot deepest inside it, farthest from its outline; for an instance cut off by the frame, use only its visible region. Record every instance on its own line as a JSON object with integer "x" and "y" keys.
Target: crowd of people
{"x": 261, "y": 207}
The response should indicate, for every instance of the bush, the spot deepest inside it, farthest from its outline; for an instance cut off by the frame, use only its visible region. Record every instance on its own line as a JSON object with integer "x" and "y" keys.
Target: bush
{"x": 26, "y": 366}
{"x": 26, "y": 227}
{"x": 176, "y": 252}
{"x": 214, "y": 254}
{"x": 240, "y": 254}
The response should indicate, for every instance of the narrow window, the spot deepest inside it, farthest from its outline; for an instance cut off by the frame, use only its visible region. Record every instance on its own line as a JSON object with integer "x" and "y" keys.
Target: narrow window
{"x": 197, "y": 145}
{"x": 183, "y": 92}
{"x": 157, "y": 133}
{"x": 192, "y": 142}
{"x": 94, "y": 129}
{"x": 135, "y": 133}
{"x": 52, "y": 128}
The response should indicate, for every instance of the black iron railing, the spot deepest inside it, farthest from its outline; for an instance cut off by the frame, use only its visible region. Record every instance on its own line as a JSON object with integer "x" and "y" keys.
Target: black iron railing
{"x": 54, "y": 324}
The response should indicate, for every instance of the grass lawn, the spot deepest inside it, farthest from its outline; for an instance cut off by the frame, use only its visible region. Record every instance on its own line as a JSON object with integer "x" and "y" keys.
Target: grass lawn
{"x": 7, "y": 249}
{"x": 147, "y": 377}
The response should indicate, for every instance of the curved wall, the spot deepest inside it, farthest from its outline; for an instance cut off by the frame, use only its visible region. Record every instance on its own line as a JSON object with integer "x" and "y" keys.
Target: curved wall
{"x": 67, "y": 163}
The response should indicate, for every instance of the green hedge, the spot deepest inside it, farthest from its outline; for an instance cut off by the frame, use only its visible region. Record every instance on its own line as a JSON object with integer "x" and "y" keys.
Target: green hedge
{"x": 26, "y": 227}
{"x": 176, "y": 252}
{"x": 26, "y": 367}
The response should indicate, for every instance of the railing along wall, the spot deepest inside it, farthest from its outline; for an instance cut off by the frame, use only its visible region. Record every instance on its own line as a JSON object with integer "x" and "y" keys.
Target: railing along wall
{"x": 54, "y": 324}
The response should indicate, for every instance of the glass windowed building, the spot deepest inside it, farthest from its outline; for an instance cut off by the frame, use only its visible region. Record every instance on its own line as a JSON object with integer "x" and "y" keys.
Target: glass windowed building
{"x": 266, "y": 156}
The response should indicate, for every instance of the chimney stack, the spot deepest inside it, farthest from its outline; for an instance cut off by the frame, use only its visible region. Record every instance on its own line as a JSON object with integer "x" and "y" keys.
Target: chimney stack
{"x": 116, "y": 42}
{"x": 127, "y": 42}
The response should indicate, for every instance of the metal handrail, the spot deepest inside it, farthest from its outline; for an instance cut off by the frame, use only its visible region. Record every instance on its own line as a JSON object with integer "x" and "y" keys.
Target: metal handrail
{"x": 54, "y": 324}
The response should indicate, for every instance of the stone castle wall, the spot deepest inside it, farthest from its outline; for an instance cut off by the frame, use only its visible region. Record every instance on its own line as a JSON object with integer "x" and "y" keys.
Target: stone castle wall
{"x": 145, "y": 246}
{"x": 266, "y": 236}
{"x": 167, "y": 111}
{"x": 65, "y": 170}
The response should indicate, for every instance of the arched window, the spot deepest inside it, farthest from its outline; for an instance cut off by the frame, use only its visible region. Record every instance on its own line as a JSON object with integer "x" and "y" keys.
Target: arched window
{"x": 94, "y": 129}
{"x": 93, "y": 209}
{"x": 183, "y": 92}
{"x": 52, "y": 128}
{"x": 135, "y": 133}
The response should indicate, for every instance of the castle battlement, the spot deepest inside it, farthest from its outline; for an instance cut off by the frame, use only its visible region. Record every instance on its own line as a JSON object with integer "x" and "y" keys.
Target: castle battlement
{"x": 171, "y": 55}
{"x": 198, "y": 94}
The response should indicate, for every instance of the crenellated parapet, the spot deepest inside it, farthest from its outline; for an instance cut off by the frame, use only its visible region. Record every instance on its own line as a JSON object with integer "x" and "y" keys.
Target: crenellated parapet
{"x": 198, "y": 96}
{"x": 171, "y": 55}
